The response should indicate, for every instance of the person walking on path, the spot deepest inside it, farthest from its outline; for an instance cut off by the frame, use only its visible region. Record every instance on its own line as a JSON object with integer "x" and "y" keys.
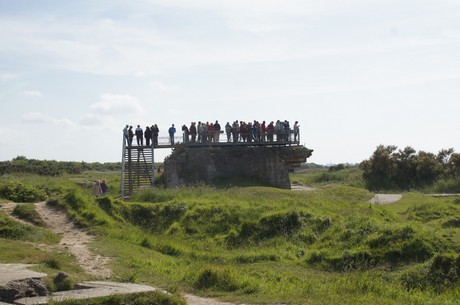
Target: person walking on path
{"x": 97, "y": 189}
{"x": 104, "y": 188}
{"x": 171, "y": 131}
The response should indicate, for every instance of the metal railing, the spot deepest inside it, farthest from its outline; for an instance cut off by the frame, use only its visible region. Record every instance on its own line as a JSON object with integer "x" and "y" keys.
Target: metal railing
{"x": 222, "y": 138}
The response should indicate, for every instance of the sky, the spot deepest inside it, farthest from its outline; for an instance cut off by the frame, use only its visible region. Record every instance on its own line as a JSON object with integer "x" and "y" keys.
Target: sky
{"x": 355, "y": 73}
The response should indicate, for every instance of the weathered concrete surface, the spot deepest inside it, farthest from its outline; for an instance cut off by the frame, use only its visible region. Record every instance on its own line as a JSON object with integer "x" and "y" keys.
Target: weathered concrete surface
{"x": 16, "y": 282}
{"x": 267, "y": 165}
{"x": 385, "y": 198}
{"x": 88, "y": 290}
{"x": 15, "y": 272}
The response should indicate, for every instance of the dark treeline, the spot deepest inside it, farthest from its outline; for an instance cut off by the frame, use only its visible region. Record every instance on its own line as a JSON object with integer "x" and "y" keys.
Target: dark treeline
{"x": 389, "y": 168}
{"x": 21, "y": 164}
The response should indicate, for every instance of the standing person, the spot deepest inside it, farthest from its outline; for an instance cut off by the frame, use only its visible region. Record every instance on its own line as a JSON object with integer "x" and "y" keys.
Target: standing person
{"x": 278, "y": 130}
{"x": 97, "y": 188}
{"x": 130, "y": 136}
{"x": 192, "y": 131}
{"x": 139, "y": 136}
{"x": 211, "y": 132}
{"x": 199, "y": 131}
{"x": 235, "y": 131}
{"x": 228, "y": 131}
{"x": 296, "y": 131}
{"x": 263, "y": 130}
{"x": 171, "y": 131}
{"x": 270, "y": 131}
{"x": 185, "y": 133}
{"x": 126, "y": 134}
{"x": 147, "y": 135}
{"x": 217, "y": 132}
{"x": 287, "y": 131}
{"x": 155, "y": 131}
{"x": 104, "y": 188}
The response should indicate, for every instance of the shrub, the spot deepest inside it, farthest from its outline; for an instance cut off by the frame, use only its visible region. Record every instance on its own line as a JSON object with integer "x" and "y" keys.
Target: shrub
{"x": 452, "y": 223}
{"x": 440, "y": 273}
{"x": 52, "y": 263}
{"x": 282, "y": 224}
{"x": 217, "y": 279}
{"x": 210, "y": 220}
{"x": 11, "y": 229}
{"x": 155, "y": 218}
{"x": 20, "y": 192}
{"x": 345, "y": 262}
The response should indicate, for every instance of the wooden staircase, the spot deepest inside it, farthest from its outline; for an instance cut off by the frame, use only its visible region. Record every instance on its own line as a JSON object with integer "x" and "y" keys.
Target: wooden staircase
{"x": 137, "y": 170}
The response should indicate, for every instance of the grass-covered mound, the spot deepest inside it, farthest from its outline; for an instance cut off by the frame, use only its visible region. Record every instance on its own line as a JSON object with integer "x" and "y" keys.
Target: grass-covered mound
{"x": 262, "y": 245}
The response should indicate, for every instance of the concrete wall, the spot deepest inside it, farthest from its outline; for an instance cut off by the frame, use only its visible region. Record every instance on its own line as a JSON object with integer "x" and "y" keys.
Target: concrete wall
{"x": 266, "y": 165}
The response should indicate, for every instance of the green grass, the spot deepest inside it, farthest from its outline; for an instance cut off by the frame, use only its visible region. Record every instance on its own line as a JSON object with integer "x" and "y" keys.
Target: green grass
{"x": 28, "y": 213}
{"x": 262, "y": 245}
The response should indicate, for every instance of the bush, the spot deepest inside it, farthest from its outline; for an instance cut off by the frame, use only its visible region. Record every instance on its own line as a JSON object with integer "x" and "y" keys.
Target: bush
{"x": 345, "y": 262}
{"x": 10, "y": 229}
{"x": 217, "y": 279}
{"x": 155, "y": 218}
{"x": 440, "y": 273}
{"x": 452, "y": 223}
{"x": 210, "y": 220}
{"x": 20, "y": 192}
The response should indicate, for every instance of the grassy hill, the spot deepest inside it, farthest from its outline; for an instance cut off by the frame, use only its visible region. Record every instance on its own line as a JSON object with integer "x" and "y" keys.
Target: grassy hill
{"x": 259, "y": 245}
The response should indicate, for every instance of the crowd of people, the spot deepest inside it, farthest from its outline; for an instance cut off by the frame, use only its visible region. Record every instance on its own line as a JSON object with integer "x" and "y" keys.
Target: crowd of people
{"x": 201, "y": 132}
{"x": 150, "y": 134}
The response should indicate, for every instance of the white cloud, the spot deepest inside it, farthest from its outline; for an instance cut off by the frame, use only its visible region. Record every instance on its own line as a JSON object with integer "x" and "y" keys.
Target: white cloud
{"x": 38, "y": 117}
{"x": 43, "y": 118}
{"x": 118, "y": 104}
{"x": 91, "y": 120}
{"x": 160, "y": 86}
{"x": 7, "y": 76}
{"x": 33, "y": 93}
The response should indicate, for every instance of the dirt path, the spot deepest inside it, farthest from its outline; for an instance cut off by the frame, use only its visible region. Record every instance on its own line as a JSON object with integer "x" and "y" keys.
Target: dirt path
{"x": 76, "y": 240}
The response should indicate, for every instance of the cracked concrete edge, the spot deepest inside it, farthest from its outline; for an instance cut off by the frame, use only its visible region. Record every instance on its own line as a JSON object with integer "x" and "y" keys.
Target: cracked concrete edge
{"x": 17, "y": 272}
{"x": 90, "y": 290}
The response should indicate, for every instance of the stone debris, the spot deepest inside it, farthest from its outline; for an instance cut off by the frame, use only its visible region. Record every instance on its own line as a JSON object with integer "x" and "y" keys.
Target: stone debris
{"x": 18, "y": 282}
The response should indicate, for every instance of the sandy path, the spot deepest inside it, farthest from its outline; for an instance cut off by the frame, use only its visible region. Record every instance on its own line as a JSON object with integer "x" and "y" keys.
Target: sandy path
{"x": 74, "y": 239}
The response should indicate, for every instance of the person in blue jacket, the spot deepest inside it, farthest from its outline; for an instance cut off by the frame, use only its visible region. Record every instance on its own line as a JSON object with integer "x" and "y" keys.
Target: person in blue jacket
{"x": 171, "y": 131}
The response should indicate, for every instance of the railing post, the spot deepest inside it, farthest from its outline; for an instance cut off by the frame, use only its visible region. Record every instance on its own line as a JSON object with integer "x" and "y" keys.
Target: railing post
{"x": 123, "y": 168}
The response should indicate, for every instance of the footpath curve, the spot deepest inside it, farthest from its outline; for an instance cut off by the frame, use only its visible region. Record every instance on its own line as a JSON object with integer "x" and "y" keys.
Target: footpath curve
{"x": 76, "y": 241}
